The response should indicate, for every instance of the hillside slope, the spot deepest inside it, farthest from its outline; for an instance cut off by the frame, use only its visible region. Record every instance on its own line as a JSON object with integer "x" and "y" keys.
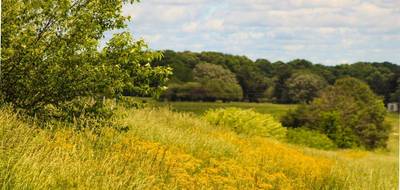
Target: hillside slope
{"x": 160, "y": 149}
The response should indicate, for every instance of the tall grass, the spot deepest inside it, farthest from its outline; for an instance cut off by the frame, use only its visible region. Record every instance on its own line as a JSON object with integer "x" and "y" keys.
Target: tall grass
{"x": 200, "y": 108}
{"x": 161, "y": 149}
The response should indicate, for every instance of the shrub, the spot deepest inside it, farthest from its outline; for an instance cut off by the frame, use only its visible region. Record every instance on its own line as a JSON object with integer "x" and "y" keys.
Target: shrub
{"x": 246, "y": 122}
{"x": 298, "y": 117}
{"x": 348, "y": 112}
{"x": 310, "y": 138}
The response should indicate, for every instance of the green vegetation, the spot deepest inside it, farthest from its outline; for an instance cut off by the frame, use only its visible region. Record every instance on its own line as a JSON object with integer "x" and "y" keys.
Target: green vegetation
{"x": 50, "y": 57}
{"x": 200, "y": 108}
{"x": 295, "y": 81}
{"x": 349, "y": 113}
{"x": 304, "y": 87}
{"x": 157, "y": 148}
{"x": 393, "y": 142}
{"x": 310, "y": 138}
{"x": 212, "y": 82}
{"x": 66, "y": 121}
{"x": 247, "y": 122}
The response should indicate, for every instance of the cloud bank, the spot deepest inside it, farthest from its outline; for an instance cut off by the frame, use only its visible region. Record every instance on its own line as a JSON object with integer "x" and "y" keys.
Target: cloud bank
{"x": 327, "y": 32}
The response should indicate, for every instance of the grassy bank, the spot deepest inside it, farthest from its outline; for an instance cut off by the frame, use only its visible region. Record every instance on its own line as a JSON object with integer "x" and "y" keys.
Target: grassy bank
{"x": 200, "y": 107}
{"x": 160, "y": 149}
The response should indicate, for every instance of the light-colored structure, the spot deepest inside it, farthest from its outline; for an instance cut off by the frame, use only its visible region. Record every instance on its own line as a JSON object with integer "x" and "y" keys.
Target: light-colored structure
{"x": 393, "y": 107}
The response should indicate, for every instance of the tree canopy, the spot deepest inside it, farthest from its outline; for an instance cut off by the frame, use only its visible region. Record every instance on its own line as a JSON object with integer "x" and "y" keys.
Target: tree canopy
{"x": 303, "y": 87}
{"x": 348, "y": 112}
{"x": 211, "y": 82}
{"x": 262, "y": 80}
{"x": 50, "y": 53}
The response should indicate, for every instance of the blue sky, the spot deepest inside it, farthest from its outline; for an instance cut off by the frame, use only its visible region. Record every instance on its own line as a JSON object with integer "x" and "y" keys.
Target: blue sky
{"x": 323, "y": 31}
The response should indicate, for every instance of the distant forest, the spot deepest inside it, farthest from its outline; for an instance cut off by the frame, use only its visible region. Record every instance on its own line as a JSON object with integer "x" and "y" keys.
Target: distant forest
{"x": 211, "y": 76}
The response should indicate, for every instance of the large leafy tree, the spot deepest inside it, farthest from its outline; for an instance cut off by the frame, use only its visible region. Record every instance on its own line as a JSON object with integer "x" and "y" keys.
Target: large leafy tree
{"x": 381, "y": 77}
{"x": 348, "y": 112}
{"x": 131, "y": 62}
{"x": 303, "y": 87}
{"x": 50, "y": 52}
{"x": 219, "y": 83}
{"x": 211, "y": 82}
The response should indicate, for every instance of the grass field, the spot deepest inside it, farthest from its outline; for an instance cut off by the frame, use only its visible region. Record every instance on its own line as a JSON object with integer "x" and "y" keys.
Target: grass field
{"x": 393, "y": 144}
{"x": 199, "y": 108}
{"x": 360, "y": 161}
{"x": 160, "y": 149}
{"x": 277, "y": 110}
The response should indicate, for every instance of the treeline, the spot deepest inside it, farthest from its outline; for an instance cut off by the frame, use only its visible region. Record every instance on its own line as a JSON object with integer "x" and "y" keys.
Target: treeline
{"x": 210, "y": 76}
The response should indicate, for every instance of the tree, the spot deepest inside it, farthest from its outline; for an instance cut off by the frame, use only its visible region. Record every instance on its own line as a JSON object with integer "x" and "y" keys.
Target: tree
{"x": 303, "y": 87}
{"x": 395, "y": 96}
{"x": 182, "y": 64}
{"x": 189, "y": 91}
{"x": 131, "y": 60}
{"x": 381, "y": 77}
{"x": 253, "y": 82}
{"x": 220, "y": 83}
{"x": 348, "y": 112}
{"x": 50, "y": 56}
{"x": 281, "y": 73}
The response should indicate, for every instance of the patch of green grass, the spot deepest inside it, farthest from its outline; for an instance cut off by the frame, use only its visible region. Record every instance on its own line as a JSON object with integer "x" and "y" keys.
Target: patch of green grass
{"x": 170, "y": 150}
{"x": 277, "y": 110}
{"x": 199, "y": 108}
{"x": 393, "y": 143}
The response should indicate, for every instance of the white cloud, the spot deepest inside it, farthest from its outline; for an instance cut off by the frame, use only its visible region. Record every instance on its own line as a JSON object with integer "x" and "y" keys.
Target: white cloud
{"x": 151, "y": 38}
{"x": 190, "y": 27}
{"x": 321, "y": 30}
{"x": 215, "y": 24}
{"x": 293, "y": 47}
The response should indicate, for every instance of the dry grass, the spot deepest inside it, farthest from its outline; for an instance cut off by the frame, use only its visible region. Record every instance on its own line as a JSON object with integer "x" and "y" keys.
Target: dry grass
{"x": 160, "y": 149}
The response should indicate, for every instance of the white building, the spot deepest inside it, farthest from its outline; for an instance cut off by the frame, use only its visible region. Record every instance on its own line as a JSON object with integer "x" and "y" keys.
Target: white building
{"x": 393, "y": 107}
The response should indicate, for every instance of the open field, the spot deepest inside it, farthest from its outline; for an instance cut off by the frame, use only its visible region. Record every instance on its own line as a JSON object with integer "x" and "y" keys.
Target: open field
{"x": 393, "y": 144}
{"x": 159, "y": 149}
{"x": 199, "y": 108}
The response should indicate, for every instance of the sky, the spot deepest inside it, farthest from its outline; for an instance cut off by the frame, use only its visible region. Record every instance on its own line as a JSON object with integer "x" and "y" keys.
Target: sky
{"x": 329, "y": 32}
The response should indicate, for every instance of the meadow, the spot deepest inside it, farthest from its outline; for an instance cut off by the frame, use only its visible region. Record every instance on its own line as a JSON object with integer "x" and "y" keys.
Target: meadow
{"x": 156, "y": 148}
{"x": 199, "y": 108}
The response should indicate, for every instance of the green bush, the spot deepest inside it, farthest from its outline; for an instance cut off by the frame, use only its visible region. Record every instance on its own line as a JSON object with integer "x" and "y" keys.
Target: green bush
{"x": 79, "y": 113}
{"x": 129, "y": 102}
{"x": 310, "y": 138}
{"x": 247, "y": 122}
{"x": 348, "y": 112}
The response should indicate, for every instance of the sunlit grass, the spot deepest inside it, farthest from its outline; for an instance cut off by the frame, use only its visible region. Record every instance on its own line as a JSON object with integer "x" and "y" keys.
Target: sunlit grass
{"x": 160, "y": 149}
{"x": 200, "y": 108}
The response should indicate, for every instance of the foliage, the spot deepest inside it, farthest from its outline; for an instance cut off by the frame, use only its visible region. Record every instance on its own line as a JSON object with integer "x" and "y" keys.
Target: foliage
{"x": 348, "y": 112}
{"x": 132, "y": 60}
{"x": 303, "y": 87}
{"x": 219, "y": 83}
{"x": 395, "y": 96}
{"x": 167, "y": 150}
{"x": 199, "y": 108}
{"x": 50, "y": 54}
{"x": 381, "y": 77}
{"x": 161, "y": 149}
{"x": 252, "y": 81}
{"x": 298, "y": 117}
{"x": 212, "y": 82}
{"x": 246, "y": 122}
{"x": 309, "y": 138}
{"x": 262, "y": 80}
{"x": 190, "y": 91}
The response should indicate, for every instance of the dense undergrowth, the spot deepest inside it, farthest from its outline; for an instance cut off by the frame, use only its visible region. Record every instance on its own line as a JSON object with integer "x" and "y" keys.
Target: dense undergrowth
{"x": 161, "y": 149}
